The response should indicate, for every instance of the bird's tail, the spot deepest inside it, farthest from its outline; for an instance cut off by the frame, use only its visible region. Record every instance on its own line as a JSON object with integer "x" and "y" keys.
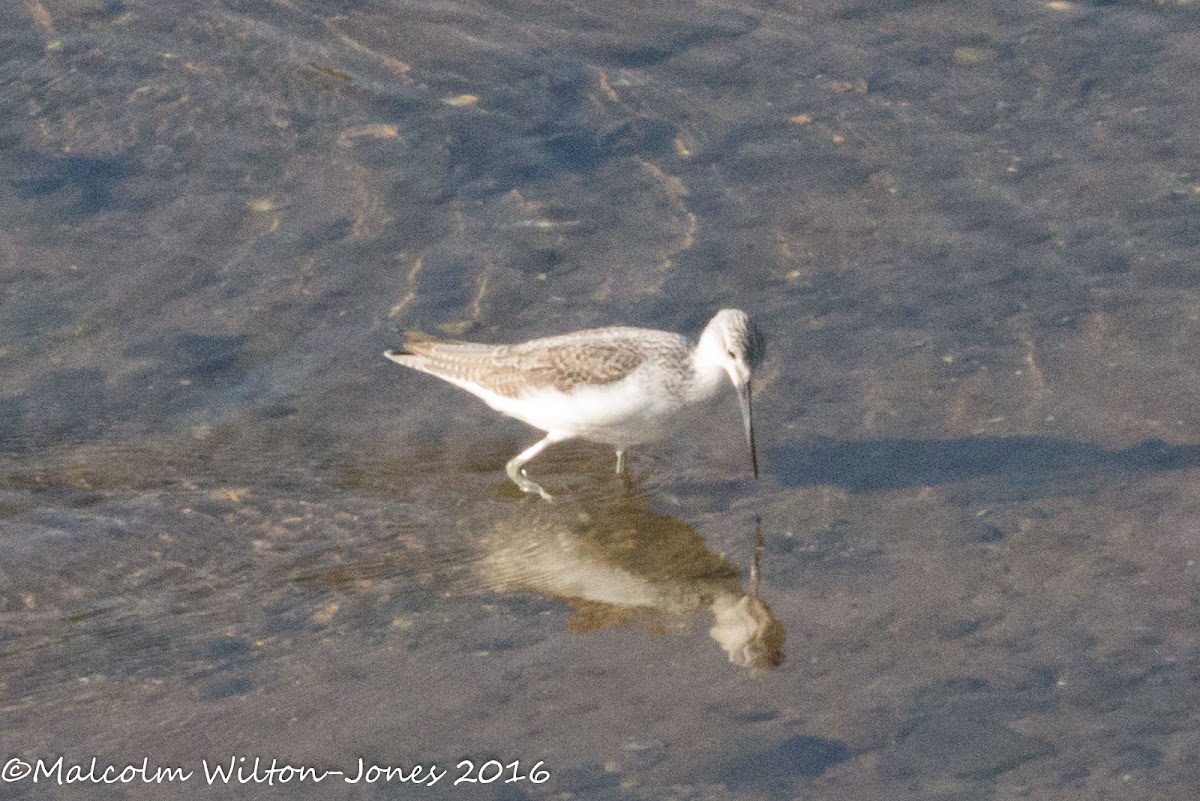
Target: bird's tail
{"x": 423, "y": 351}
{"x": 409, "y": 353}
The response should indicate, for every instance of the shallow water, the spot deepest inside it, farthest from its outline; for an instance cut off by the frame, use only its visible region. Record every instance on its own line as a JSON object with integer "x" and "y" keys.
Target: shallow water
{"x": 229, "y": 528}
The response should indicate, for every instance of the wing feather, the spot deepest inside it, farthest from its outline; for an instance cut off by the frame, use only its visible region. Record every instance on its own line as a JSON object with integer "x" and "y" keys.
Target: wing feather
{"x": 564, "y": 363}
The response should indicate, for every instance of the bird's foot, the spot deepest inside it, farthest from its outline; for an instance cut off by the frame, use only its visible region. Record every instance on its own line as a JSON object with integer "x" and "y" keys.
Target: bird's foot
{"x": 533, "y": 487}
{"x": 522, "y": 480}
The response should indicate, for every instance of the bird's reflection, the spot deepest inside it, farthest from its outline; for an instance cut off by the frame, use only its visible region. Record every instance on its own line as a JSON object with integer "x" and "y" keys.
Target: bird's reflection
{"x": 624, "y": 565}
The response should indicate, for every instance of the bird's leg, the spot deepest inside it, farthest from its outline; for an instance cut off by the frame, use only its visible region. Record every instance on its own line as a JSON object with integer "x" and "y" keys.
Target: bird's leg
{"x": 626, "y": 476}
{"x": 516, "y": 466}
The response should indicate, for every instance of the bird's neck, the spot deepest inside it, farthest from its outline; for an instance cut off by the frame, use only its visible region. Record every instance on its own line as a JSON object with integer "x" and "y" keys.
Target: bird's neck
{"x": 707, "y": 377}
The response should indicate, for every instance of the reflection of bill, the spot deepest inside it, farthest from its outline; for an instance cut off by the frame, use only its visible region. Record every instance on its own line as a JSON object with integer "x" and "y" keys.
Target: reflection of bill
{"x": 627, "y": 565}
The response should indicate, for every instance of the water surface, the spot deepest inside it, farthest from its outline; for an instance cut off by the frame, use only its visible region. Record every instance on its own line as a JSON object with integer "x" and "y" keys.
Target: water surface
{"x": 232, "y": 529}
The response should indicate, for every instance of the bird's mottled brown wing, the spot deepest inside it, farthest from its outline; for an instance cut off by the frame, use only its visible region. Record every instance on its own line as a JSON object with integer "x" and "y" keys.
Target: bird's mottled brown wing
{"x": 569, "y": 365}
{"x": 563, "y": 363}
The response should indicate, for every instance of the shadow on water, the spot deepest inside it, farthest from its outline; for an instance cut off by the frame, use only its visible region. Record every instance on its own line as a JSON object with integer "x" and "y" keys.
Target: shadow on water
{"x": 882, "y": 465}
{"x": 95, "y": 181}
{"x": 773, "y": 770}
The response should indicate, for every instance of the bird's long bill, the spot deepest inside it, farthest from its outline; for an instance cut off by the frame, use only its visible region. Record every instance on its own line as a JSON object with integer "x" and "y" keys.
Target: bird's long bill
{"x": 748, "y": 419}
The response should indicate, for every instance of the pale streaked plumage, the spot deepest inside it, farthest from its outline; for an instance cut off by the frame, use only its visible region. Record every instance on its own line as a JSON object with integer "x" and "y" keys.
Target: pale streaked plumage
{"x": 621, "y": 386}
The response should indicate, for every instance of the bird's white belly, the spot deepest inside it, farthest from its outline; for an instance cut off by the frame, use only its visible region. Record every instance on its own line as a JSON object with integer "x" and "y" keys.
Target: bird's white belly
{"x": 624, "y": 413}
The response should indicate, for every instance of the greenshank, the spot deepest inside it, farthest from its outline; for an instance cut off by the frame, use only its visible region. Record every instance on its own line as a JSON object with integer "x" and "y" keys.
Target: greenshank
{"x": 619, "y": 386}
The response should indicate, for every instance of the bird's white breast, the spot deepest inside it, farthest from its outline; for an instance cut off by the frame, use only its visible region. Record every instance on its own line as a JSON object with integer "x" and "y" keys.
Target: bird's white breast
{"x": 627, "y": 412}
